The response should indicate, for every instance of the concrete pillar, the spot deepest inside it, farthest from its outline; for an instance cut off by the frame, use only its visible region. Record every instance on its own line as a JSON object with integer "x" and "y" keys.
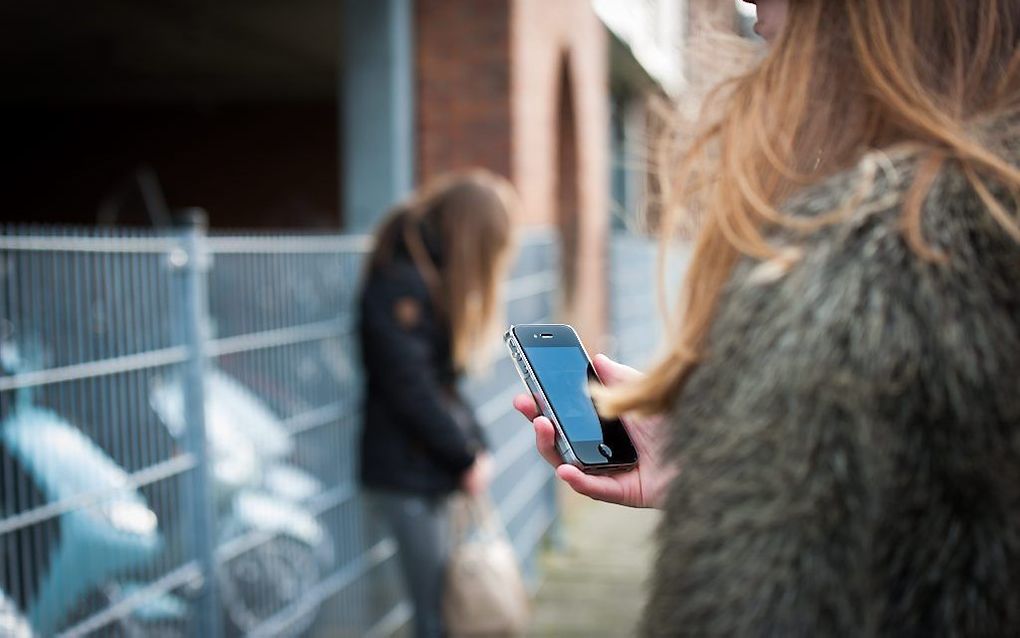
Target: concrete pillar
{"x": 376, "y": 109}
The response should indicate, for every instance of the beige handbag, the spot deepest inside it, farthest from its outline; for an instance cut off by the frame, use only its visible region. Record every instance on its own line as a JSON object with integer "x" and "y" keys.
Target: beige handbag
{"x": 484, "y": 594}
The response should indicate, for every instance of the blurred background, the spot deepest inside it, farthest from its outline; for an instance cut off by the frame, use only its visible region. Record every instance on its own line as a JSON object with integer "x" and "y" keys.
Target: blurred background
{"x": 188, "y": 190}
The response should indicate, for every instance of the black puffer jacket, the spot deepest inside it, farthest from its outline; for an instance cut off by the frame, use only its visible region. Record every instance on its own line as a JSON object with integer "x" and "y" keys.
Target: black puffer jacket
{"x": 850, "y": 446}
{"x": 419, "y": 435}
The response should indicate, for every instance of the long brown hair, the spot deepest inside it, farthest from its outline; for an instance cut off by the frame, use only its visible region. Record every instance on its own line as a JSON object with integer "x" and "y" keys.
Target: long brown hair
{"x": 937, "y": 79}
{"x": 457, "y": 230}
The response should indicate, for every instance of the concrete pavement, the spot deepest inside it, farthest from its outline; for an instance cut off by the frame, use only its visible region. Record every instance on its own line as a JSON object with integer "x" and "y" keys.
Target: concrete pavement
{"x": 595, "y": 584}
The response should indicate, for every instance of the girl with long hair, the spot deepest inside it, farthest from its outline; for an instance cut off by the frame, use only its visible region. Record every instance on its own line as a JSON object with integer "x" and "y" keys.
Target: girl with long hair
{"x": 429, "y": 306}
{"x": 839, "y": 451}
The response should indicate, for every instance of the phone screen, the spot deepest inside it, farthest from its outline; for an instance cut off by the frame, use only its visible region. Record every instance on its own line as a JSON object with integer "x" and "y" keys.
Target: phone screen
{"x": 565, "y": 375}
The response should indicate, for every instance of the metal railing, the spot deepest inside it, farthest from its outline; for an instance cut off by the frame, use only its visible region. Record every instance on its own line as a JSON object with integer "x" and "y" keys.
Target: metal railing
{"x": 636, "y": 320}
{"x": 178, "y": 435}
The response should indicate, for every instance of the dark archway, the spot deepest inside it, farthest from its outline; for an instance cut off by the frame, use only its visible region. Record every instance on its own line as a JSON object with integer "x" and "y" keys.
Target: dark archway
{"x": 567, "y": 195}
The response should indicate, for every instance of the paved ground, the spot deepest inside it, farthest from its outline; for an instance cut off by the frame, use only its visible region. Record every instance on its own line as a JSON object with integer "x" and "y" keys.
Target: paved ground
{"x": 594, "y": 585}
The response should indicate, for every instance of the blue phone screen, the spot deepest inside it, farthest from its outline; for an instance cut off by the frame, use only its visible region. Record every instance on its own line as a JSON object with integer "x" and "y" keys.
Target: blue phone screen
{"x": 564, "y": 375}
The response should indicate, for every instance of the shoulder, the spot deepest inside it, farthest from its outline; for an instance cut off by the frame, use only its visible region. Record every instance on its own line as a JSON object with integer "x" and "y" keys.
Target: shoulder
{"x": 823, "y": 279}
{"x": 861, "y": 259}
{"x": 852, "y": 302}
{"x": 399, "y": 278}
{"x": 396, "y": 296}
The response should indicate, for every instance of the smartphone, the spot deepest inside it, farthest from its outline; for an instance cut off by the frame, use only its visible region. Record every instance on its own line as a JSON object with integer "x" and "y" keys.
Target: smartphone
{"x": 558, "y": 372}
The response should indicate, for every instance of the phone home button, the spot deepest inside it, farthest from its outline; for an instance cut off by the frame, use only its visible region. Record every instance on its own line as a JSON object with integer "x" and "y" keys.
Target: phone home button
{"x": 605, "y": 450}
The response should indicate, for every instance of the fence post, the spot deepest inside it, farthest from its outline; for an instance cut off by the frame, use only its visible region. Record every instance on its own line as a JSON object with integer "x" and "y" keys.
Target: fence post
{"x": 195, "y": 270}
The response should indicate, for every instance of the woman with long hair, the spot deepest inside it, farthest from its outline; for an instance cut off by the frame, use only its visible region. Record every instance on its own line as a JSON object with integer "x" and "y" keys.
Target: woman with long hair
{"x": 429, "y": 306}
{"x": 840, "y": 451}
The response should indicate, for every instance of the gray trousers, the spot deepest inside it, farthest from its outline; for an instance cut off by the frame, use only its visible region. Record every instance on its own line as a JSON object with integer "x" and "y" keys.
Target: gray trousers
{"x": 421, "y": 528}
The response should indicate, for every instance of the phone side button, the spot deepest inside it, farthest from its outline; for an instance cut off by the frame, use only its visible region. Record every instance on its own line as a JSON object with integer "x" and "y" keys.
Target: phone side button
{"x": 567, "y": 454}
{"x": 523, "y": 369}
{"x": 562, "y": 448}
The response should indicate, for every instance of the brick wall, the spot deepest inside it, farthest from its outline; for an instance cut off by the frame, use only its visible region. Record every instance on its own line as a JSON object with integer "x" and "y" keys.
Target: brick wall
{"x": 462, "y": 87}
{"x": 557, "y": 44}
{"x": 505, "y": 84}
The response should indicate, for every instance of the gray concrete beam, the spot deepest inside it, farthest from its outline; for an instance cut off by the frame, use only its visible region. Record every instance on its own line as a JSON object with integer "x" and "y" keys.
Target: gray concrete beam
{"x": 376, "y": 109}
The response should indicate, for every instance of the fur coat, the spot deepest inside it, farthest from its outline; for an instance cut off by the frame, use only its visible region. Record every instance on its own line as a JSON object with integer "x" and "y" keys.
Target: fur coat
{"x": 850, "y": 446}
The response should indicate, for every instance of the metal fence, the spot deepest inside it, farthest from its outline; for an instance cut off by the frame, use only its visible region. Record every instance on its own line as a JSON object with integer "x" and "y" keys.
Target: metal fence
{"x": 636, "y": 320}
{"x": 178, "y": 428}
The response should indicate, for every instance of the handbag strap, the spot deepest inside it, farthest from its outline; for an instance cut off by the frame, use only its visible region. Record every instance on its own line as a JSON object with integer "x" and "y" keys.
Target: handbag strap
{"x": 460, "y": 520}
{"x": 476, "y": 512}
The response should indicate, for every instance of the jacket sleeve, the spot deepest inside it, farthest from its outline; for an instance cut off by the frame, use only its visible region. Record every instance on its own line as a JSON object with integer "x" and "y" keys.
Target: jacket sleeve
{"x": 476, "y": 427}
{"x": 483, "y": 438}
{"x": 399, "y": 357}
{"x": 766, "y": 530}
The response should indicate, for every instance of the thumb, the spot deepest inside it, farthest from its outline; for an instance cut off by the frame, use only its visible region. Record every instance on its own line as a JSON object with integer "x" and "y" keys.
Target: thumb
{"x": 612, "y": 372}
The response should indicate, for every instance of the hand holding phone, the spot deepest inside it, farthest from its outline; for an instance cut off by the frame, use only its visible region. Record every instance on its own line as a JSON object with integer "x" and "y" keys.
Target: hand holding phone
{"x": 554, "y": 366}
{"x": 642, "y": 486}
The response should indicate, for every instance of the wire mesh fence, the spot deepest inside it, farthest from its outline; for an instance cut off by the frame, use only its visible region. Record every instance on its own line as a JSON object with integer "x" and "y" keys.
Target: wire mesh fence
{"x": 178, "y": 433}
{"x": 636, "y": 318}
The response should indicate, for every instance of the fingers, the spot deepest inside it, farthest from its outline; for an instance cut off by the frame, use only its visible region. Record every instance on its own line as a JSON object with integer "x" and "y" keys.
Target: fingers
{"x": 545, "y": 441}
{"x": 545, "y": 434}
{"x": 600, "y": 488}
{"x": 611, "y": 372}
{"x": 525, "y": 404}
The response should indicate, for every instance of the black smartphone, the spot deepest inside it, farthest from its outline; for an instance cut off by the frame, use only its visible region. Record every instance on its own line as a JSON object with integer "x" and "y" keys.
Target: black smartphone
{"x": 558, "y": 372}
